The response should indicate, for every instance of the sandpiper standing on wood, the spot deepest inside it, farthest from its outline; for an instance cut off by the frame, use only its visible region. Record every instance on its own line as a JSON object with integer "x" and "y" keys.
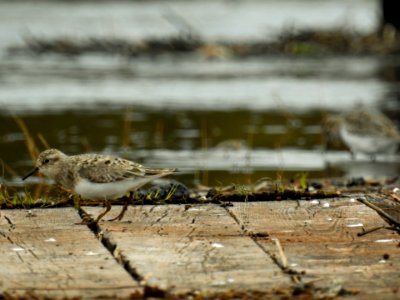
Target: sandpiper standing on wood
{"x": 368, "y": 132}
{"x": 95, "y": 176}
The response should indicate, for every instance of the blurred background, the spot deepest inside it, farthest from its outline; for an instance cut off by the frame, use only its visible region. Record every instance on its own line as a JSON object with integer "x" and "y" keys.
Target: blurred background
{"x": 227, "y": 91}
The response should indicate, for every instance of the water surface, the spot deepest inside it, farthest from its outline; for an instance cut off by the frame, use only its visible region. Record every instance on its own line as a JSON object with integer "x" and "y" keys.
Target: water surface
{"x": 220, "y": 121}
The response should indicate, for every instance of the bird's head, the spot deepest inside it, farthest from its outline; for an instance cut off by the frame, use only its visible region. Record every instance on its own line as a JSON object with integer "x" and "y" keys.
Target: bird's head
{"x": 47, "y": 163}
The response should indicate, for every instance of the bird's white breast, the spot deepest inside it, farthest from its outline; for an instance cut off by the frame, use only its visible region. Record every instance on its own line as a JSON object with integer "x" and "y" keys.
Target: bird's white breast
{"x": 367, "y": 143}
{"x": 106, "y": 191}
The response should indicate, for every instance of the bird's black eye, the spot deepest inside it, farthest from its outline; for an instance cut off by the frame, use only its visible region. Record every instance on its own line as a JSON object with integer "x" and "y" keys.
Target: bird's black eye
{"x": 46, "y": 161}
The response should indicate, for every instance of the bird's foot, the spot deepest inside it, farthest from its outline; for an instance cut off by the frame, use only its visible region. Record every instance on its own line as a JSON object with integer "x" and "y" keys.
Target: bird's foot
{"x": 86, "y": 220}
{"x": 121, "y": 214}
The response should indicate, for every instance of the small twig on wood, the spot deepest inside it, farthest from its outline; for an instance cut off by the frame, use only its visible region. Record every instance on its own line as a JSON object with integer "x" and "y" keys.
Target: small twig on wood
{"x": 294, "y": 275}
{"x": 388, "y": 218}
{"x": 395, "y": 225}
{"x": 366, "y": 231}
{"x": 282, "y": 255}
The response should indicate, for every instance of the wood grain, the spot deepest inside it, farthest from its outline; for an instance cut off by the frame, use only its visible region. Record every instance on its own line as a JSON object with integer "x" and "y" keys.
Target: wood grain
{"x": 44, "y": 254}
{"x": 179, "y": 249}
{"x": 320, "y": 239}
{"x": 187, "y": 250}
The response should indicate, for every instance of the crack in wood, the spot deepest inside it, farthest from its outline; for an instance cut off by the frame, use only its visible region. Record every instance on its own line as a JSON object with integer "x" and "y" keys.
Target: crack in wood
{"x": 192, "y": 230}
{"x": 295, "y": 276}
{"x": 12, "y": 225}
{"x": 50, "y": 253}
{"x": 3, "y": 234}
{"x": 149, "y": 290}
{"x": 111, "y": 247}
{"x": 19, "y": 256}
{"x": 33, "y": 254}
{"x": 163, "y": 216}
{"x": 205, "y": 259}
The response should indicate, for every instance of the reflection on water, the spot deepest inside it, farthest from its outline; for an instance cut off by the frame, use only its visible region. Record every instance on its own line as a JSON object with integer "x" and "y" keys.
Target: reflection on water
{"x": 213, "y": 20}
{"x": 192, "y": 83}
{"x": 136, "y": 134}
{"x": 210, "y": 148}
{"x": 219, "y": 121}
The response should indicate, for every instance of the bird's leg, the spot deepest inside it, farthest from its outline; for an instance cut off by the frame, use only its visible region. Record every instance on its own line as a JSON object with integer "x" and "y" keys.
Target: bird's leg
{"x": 77, "y": 201}
{"x": 127, "y": 199}
{"x": 108, "y": 208}
{"x": 86, "y": 218}
{"x": 121, "y": 214}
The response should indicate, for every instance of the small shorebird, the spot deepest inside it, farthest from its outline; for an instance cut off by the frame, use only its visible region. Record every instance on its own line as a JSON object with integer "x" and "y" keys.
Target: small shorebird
{"x": 95, "y": 176}
{"x": 368, "y": 132}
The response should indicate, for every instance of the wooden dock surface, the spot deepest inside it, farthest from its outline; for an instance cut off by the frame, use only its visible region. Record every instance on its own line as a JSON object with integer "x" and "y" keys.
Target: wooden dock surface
{"x": 252, "y": 250}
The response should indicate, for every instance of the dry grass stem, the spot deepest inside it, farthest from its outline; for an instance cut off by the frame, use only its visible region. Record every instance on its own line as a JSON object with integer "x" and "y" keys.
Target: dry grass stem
{"x": 29, "y": 141}
{"x": 282, "y": 255}
{"x": 43, "y": 141}
{"x": 388, "y": 218}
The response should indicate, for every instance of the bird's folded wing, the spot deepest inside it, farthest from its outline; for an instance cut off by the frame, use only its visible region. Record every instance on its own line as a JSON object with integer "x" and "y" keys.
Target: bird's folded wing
{"x": 386, "y": 127}
{"x": 110, "y": 169}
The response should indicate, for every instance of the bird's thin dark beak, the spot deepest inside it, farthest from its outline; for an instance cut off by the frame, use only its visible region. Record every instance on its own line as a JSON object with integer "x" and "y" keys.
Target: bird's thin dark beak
{"x": 30, "y": 173}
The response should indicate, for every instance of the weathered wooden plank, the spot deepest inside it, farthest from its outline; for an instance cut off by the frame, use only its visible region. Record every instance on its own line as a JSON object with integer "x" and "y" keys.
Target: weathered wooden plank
{"x": 43, "y": 253}
{"x": 179, "y": 249}
{"x": 320, "y": 239}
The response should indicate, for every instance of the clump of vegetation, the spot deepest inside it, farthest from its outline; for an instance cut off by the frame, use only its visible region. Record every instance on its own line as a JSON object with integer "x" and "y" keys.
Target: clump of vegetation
{"x": 173, "y": 192}
{"x": 41, "y": 195}
{"x": 304, "y": 43}
{"x": 8, "y": 200}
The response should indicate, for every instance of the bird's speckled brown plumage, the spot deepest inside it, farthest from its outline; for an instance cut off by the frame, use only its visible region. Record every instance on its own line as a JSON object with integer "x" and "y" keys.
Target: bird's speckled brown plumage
{"x": 95, "y": 176}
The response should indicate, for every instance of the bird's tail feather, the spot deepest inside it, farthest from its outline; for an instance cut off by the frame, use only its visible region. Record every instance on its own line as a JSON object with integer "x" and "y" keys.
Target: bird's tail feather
{"x": 162, "y": 172}
{"x": 138, "y": 183}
